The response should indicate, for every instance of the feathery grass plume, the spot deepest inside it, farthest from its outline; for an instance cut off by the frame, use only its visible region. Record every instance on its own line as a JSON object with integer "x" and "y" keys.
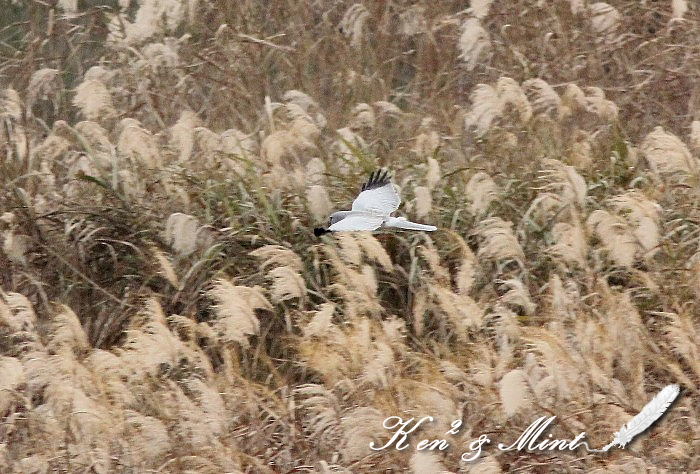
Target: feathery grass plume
{"x": 159, "y": 56}
{"x": 301, "y": 99}
{"x": 137, "y": 144}
{"x": 394, "y": 330}
{"x": 678, "y": 9}
{"x": 432, "y": 175}
{"x": 34, "y": 464}
{"x": 486, "y": 464}
{"x": 386, "y": 110}
{"x": 284, "y": 148}
{"x": 287, "y": 284}
{"x": 190, "y": 416}
{"x": 573, "y": 100}
{"x": 279, "y": 256}
{"x": 182, "y": 135}
{"x": 481, "y": 191}
{"x": 422, "y": 462}
{"x": 514, "y": 392}
{"x": 359, "y": 427}
{"x": 596, "y": 103}
{"x": 418, "y": 311}
{"x": 153, "y": 17}
{"x": 439, "y": 398}
{"x": 150, "y": 345}
{"x": 96, "y": 139}
{"x": 379, "y": 360}
{"x": 510, "y": 93}
{"x": 148, "y": 438}
{"x": 17, "y": 312}
{"x": 321, "y": 413}
{"x": 561, "y": 362}
{"x": 319, "y": 202}
{"x": 684, "y": 339}
{"x": 44, "y": 83}
{"x": 15, "y": 247}
{"x": 12, "y": 378}
{"x": 695, "y": 135}
{"x": 353, "y": 23}
{"x": 563, "y": 299}
{"x": 373, "y": 250}
{"x": 542, "y": 96}
{"x": 320, "y": 322}
{"x": 629, "y": 336}
{"x": 111, "y": 375}
{"x": 207, "y": 147}
{"x": 480, "y": 8}
{"x": 517, "y": 295}
{"x": 165, "y": 267}
{"x": 181, "y": 233}
{"x": 84, "y": 418}
{"x": 499, "y": 242}
{"x": 570, "y": 244}
{"x": 693, "y": 266}
{"x": 643, "y": 217}
{"x": 460, "y": 310}
{"x": 467, "y": 272}
{"x": 344, "y": 145}
{"x": 432, "y": 257}
{"x": 94, "y": 100}
{"x": 486, "y": 107}
{"x": 350, "y": 249}
{"x": 424, "y": 201}
{"x": 235, "y": 310}
{"x": 581, "y": 152}
{"x": 428, "y": 140}
{"x": 210, "y": 402}
{"x": 10, "y": 105}
{"x": 412, "y": 20}
{"x": 473, "y": 41}
{"x": 577, "y": 6}
{"x": 51, "y": 150}
{"x": 65, "y": 332}
{"x": 615, "y": 235}
{"x": 362, "y": 117}
{"x": 605, "y": 19}
{"x": 358, "y": 289}
{"x": 238, "y": 143}
{"x": 565, "y": 181}
{"x": 666, "y": 153}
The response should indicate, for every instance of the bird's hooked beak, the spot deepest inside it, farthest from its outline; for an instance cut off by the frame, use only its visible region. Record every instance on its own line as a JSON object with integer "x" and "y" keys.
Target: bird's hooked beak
{"x": 319, "y": 231}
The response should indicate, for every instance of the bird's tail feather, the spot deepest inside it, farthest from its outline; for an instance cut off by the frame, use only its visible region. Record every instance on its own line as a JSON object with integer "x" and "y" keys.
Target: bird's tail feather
{"x": 402, "y": 223}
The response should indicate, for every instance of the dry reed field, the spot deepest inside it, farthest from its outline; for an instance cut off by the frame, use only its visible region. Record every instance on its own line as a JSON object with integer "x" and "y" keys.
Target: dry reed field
{"x": 165, "y": 306}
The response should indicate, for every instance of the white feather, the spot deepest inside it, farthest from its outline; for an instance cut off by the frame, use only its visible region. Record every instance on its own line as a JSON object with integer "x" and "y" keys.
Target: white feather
{"x": 649, "y": 414}
{"x": 358, "y": 222}
{"x": 382, "y": 200}
{"x": 402, "y": 223}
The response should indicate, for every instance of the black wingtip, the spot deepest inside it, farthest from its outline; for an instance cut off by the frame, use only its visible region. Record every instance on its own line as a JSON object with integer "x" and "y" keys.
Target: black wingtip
{"x": 377, "y": 179}
{"x": 319, "y": 231}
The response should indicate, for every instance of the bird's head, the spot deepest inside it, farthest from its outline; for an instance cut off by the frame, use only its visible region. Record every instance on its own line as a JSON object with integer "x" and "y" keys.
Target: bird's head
{"x": 319, "y": 231}
{"x": 337, "y": 217}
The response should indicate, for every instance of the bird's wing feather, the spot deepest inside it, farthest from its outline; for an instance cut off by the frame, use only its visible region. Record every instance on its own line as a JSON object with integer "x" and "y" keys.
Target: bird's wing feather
{"x": 378, "y": 195}
{"x": 357, "y": 223}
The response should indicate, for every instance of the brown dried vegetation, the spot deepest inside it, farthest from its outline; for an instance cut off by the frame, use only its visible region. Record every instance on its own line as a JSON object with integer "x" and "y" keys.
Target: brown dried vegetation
{"x": 165, "y": 307}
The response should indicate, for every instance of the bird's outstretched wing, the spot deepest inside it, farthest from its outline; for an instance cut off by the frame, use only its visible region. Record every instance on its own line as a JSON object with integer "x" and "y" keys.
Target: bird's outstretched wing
{"x": 378, "y": 195}
{"x": 357, "y": 222}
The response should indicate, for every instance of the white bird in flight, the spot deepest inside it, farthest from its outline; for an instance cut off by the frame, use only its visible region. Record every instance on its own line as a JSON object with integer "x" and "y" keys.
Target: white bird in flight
{"x": 372, "y": 209}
